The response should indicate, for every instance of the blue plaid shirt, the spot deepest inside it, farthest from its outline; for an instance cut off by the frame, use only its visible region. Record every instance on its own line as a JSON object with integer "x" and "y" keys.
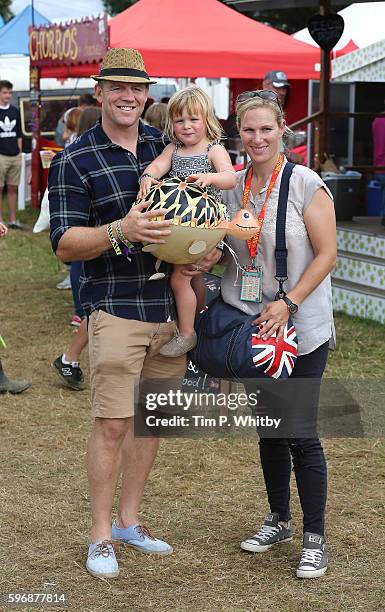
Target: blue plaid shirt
{"x": 91, "y": 183}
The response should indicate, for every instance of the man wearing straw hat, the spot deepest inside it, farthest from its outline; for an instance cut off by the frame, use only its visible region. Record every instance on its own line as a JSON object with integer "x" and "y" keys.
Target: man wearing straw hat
{"x": 93, "y": 184}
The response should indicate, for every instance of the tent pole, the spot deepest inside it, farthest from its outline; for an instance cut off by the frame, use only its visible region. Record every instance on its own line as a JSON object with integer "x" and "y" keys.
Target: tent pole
{"x": 34, "y": 77}
{"x": 324, "y": 93}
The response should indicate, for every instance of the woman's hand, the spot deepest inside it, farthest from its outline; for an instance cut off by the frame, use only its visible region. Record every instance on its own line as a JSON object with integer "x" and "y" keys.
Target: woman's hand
{"x": 202, "y": 179}
{"x": 273, "y": 318}
{"x": 145, "y": 186}
{"x": 203, "y": 265}
{"x": 3, "y": 229}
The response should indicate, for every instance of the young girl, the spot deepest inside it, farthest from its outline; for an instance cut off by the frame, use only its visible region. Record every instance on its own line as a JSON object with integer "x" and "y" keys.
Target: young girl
{"x": 195, "y": 155}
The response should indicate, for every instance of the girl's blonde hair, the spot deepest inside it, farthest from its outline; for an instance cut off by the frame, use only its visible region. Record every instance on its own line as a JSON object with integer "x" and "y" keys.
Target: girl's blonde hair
{"x": 257, "y": 102}
{"x": 194, "y": 101}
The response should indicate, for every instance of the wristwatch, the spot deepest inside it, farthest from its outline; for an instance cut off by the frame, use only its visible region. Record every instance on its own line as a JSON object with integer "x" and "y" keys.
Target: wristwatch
{"x": 292, "y": 308}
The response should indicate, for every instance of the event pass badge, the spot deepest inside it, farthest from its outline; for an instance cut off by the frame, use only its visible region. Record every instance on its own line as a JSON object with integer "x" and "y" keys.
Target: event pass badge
{"x": 251, "y": 284}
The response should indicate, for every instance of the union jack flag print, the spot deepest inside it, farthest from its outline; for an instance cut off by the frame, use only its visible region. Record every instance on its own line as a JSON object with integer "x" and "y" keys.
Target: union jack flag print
{"x": 278, "y": 358}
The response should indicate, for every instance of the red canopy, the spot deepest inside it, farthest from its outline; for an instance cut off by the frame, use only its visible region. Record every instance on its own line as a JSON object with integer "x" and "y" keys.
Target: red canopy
{"x": 191, "y": 38}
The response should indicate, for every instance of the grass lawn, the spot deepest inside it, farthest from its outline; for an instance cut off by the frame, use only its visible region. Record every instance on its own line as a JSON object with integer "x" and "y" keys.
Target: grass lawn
{"x": 203, "y": 496}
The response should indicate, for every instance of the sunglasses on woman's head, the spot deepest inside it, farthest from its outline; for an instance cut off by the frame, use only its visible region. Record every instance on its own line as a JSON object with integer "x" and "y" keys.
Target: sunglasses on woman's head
{"x": 264, "y": 94}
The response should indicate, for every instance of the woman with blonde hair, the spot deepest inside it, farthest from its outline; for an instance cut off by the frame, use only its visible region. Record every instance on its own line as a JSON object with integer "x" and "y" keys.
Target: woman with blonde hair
{"x": 305, "y": 296}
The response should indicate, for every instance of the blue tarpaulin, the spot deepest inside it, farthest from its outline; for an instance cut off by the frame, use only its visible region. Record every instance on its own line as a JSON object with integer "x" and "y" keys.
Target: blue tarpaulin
{"x": 14, "y": 34}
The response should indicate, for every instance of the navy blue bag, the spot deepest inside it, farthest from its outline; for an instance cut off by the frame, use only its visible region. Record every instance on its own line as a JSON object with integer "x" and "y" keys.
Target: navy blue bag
{"x": 227, "y": 346}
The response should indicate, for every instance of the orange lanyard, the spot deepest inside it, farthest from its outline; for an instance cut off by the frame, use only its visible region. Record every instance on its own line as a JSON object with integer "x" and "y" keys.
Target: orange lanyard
{"x": 252, "y": 243}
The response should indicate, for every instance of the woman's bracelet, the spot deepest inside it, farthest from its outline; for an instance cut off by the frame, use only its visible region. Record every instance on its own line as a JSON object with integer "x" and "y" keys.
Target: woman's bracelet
{"x": 120, "y": 235}
{"x": 147, "y": 175}
{"x": 113, "y": 240}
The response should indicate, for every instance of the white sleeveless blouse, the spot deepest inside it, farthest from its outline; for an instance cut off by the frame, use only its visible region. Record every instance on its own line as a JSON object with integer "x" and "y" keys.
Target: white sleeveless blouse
{"x": 314, "y": 319}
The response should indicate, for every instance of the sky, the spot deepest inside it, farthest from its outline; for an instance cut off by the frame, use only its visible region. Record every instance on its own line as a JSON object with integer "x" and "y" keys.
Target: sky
{"x": 55, "y": 10}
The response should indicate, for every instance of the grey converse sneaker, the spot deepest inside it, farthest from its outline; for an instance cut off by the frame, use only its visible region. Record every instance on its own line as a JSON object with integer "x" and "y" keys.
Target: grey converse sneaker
{"x": 179, "y": 345}
{"x": 314, "y": 558}
{"x": 270, "y": 533}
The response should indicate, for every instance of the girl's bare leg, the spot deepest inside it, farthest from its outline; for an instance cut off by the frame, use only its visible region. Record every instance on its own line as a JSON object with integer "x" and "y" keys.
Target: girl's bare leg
{"x": 199, "y": 287}
{"x": 186, "y": 301}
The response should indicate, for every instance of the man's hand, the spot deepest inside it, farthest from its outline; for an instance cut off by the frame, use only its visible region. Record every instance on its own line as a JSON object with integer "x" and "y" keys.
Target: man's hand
{"x": 203, "y": 265}
{"x": 137, "y": 225}
{"x": 3, "y": 229}
{"x": 274, "y": 318}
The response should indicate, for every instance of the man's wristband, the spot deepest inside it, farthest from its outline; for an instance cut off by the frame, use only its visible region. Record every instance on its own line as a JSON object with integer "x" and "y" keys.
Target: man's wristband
{"x": 120, "y": 235}
{"x": 147, "y": 175}
{"x": 113, "y": 240}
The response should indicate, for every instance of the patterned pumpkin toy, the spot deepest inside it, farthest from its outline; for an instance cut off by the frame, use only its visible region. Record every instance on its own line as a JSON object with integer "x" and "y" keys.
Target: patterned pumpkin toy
{"x": 198, "y": 221}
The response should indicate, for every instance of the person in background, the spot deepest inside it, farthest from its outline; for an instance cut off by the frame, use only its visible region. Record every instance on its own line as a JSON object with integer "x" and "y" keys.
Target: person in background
{"x": 12, "y": 386}
{"x": 67, "y": 364}
{"x": 277, "y": 81}
{"x": 378, "y": 135}
{"x": 149, "y": 102}
{"x": 71, "y": 118}
{"x": 88, "y": 118}
{"x": 10, "y": 153}
{"x": 6, "y": 384}
{"x": 85, "y": 100}
{"x": 156, "y": 115}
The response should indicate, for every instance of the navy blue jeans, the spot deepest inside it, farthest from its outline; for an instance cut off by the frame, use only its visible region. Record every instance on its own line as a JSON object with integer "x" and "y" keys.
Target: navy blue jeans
{"x": 305, "y": 454}
{"x": 76, "y": 270}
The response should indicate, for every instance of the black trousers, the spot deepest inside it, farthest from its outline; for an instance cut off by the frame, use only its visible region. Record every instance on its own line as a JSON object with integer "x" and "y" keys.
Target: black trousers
{"x": 278, "y": 454}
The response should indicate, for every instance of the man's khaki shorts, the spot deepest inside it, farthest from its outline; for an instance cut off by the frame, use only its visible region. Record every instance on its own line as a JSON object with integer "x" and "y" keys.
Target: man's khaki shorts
{"x": 121, "y": 352}
{"x": 10, "y": 169}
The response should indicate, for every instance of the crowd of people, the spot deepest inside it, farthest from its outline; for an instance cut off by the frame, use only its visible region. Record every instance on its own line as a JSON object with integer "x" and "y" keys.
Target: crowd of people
{"x": 115, "y": 148}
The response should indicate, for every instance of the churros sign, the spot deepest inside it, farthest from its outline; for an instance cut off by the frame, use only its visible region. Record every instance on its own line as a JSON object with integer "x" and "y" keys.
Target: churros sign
{"x": 75, "y": 42}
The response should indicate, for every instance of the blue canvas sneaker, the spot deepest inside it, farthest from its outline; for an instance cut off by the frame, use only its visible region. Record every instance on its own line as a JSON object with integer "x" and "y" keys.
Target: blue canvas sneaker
{"x": 101, "y": 560}
{"x": 139, "y": 537}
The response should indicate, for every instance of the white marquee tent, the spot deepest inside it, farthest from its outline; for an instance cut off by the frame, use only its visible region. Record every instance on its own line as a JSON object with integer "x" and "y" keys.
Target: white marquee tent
{"x": 364, "y": 65}
{"x": 364, "y": 25}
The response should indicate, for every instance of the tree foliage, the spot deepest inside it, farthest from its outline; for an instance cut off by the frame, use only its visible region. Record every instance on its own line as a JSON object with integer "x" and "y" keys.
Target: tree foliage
{"x": 289, "y": 20}
{"x": 5, "y": 9}
{"x": 113, "y": 7}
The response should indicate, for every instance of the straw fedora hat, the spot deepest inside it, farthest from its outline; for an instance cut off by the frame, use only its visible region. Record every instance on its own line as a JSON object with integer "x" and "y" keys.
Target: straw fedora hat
{"x": 124, "y": 65}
